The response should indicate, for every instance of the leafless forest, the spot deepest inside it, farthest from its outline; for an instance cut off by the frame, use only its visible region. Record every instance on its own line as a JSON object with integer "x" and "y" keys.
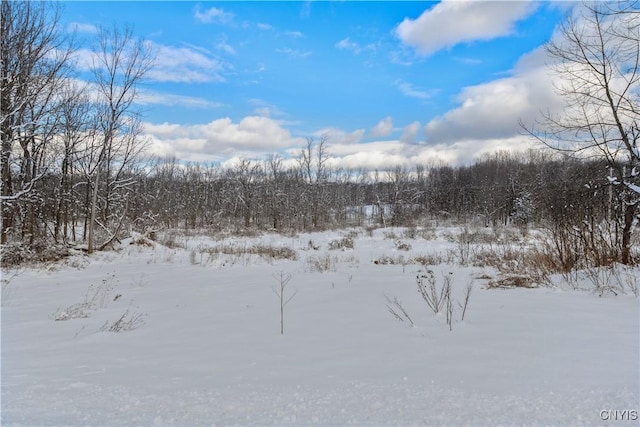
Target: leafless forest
{"x": 75, "y": 172}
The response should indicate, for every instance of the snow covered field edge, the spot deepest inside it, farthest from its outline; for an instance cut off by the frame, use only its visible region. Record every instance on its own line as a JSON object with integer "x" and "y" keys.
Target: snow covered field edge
{"x": 190, "y": 335}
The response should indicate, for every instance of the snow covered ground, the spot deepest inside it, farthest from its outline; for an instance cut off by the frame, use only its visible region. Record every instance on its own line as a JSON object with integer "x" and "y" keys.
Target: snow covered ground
{"x": 199, "y": 343}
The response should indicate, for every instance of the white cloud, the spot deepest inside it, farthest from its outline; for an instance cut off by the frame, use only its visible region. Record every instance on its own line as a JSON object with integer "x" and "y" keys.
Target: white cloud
{"x": 381, "y": 155}
{"x": 339, "y": 136}
{"x": 383, "y": 128}
{"x": 494, "y": 109}
{"x": 410, "y": 133}
{"x": 452, "y": 22}
{"x": 385, "y": 155}
{"x": 293, "y": 53}
{"x": 83, "y": 59}
{"x": 469, "y": 151}
{"x": 484, "y": 121}
{"x": 184, "y": 64}
{"x": 409, "y": 90}
{"x": 212, "y": 15}
{"x": 219, "y": 139}
{"x": 255, "y": 137}
{"x": 294, "y": 34}
{"x": 172, "y": 64}
{"x": 266, "y": 109}
{"x": 263, "y": 111}
{"x": 401, "y": 57}
{"x": 225, "y": 47}
{"x": 157, "y": 98}
{"x": 347, "y": 44}
{"x": 468, "y": 61}
{"x": 264, "y": 27}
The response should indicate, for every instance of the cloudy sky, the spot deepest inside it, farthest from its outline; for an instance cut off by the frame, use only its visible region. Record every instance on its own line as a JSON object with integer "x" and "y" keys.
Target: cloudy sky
{"x": 386, "y": 83}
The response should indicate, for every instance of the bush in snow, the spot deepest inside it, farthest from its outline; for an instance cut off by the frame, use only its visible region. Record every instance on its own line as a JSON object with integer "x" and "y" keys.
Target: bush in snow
{"x": 438, "y": 296}
{"x": 402, "y": 246}
{"x": 311, "y": 245}
{"x": 433, "y": 295}
{"x": 40, "y": 251}
{"x": 390, "y": 235}
{"x": 345, "y": 242}
{"x": 322, "y": 263}
{"x": 512, "y": 259}
{"x": 13, "y": 254}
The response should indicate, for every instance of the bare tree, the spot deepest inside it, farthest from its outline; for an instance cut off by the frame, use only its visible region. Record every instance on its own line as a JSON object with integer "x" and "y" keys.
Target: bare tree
{"x": 597, "y": 60}
{"x": 120, "y": 65}
{"x": 246, "y": 181}
{"x": 312, "y": 162}
{"x": 305, "y": 160}
{"x": 398, "y": 180}
{"x": 34, "y": 58}
{"x": 76, "y": 128}
{"x": 274, "y": 190}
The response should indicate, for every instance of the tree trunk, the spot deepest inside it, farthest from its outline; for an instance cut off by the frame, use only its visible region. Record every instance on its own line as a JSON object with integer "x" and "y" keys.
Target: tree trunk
{"x": 629, "y": 215}
{"x": 92, "y": 215}
{"x": 7, "y": 184}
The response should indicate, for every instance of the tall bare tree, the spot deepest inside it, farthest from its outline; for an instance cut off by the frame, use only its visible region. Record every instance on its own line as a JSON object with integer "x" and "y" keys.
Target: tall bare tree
{"x": 597, "y": 59}
{"x": 120, "y": 64}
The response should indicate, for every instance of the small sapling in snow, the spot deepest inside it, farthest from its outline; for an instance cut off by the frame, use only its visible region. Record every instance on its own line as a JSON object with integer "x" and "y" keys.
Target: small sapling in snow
{"x": 283, "y": 281}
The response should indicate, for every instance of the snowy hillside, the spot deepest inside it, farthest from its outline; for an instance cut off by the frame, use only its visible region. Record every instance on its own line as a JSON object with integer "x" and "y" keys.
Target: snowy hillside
{"x": 190, "y": 335}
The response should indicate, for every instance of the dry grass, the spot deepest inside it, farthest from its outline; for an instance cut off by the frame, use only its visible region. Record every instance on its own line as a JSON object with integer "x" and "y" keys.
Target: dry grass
{"x": 170, "y": 239}
{"x": 397, "y": 310}
{"x": 127, "y": 322}
{"x": 515, "y": 260}
{"x": 424, "y": 260}
{"x": 615, "y": 279}
{"x": 512, "y": 281}
{"x": 96, "y": 297}
{"x": 435, "y": 258}
{"x": 267, "y": 252}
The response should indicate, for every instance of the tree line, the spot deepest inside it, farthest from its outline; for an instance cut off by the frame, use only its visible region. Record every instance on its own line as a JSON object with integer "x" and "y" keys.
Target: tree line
{"x": 74, "y": 169}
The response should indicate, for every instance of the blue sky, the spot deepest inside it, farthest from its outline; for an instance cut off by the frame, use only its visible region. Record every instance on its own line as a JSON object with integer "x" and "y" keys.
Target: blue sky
{"x": 386, "y": 82}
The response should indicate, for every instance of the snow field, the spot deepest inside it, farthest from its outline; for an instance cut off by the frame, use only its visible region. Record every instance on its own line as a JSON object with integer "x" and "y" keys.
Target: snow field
{"x": 207, "y": 349}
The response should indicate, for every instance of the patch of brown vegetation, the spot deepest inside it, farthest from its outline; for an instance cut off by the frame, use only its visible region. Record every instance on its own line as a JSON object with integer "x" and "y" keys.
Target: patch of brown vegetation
{"x": 512, "y": 281}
